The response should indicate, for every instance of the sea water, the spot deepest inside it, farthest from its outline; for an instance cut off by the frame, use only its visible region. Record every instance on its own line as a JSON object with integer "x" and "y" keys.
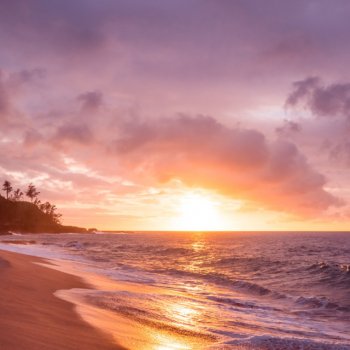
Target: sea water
{"x": 233, "y": 290}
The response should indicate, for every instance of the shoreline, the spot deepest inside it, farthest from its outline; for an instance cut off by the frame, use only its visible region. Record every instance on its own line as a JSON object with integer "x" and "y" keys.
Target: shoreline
{"x": 33, "y": 317}
{"x": 138, "y": 311}
{"x": 72, "y": 284}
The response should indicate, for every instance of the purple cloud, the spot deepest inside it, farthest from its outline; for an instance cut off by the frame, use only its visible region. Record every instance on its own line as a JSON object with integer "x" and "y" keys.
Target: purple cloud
{"x": 322, "y": 100}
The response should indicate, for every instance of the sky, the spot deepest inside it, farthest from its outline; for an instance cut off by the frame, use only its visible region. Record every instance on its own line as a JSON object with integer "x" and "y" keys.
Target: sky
{"x": 186, "y": 114}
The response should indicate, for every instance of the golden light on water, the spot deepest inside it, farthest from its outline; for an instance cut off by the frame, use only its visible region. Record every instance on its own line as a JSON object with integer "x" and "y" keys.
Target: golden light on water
{"x": 168, "y": 342}
{"x": 198, "y": 212}
{"x": 183, "y": 314}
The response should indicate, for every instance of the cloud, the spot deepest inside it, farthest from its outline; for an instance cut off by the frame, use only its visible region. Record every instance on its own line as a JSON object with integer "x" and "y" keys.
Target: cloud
{"x": 32, "y": 138}
{"x": 330, "y": 107}
{"x": 322, "y": 100}
{"x": 339, "y": 152}
{"x": 288, "y": 128}
{"x": 228, "y": 59}
{"x": 26, "y": 76}
{"x": 198, "y": 150}
{"x": 73, "y": 132}
{"x": 91, "y": 101}
{"x": 5, "y": 104}
{"x": 58, "y": 25}
{"x": 237, "y": 162}
{"x": 11, "y": 86}
{"x": 156, "y": 39}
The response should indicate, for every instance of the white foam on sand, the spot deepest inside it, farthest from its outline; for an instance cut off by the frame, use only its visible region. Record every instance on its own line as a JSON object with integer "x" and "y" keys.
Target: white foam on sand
{"x": 126, "y": 332}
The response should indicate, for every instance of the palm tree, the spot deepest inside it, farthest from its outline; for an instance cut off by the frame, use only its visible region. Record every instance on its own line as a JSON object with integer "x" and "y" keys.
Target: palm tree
{"x": 7, "y": 188}
{"x": 32, "y": 192}
{"x": 17, "y": 195}
{"x": 56, "y": 217}
{"x": 37, "y": 202}
{"x": 46, "y": 208}
{"x": 51, "y": 211}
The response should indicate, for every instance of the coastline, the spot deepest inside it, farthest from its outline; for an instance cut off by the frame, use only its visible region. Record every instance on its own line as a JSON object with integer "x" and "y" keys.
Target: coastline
{"x": 70, "y": 284}
{"x": 140, "y": 309}
{"x": 32, "y": 317}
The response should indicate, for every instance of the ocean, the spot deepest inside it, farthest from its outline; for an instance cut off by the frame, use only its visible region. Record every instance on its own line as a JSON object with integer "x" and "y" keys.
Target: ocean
{"x": 191, "y": 290}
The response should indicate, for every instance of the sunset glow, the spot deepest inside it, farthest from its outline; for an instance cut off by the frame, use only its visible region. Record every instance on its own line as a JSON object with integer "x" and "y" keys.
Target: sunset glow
{"x": 174, "y": 174}
{"x": 116, "y": 110}
{"x": 196, "y": 213}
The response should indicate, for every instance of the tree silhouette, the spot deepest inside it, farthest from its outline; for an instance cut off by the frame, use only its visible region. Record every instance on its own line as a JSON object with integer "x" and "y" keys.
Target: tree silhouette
{"x": 46, "y": 208}
{"x": 17, "y": 195}
{"x": 32, "y": 192}
{"x": 50, "y": 210}
{"x": 37, "y": 202}
{"x": 56, "y": 217}
{"x": 7, "y": 188}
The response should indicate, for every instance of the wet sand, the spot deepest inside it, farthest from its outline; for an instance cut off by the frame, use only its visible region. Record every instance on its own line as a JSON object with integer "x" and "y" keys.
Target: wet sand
{"x": 32, "y": 318}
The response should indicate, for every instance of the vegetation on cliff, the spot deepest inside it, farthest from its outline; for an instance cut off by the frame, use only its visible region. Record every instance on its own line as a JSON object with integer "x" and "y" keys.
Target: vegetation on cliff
{"x": 34, "y": 216}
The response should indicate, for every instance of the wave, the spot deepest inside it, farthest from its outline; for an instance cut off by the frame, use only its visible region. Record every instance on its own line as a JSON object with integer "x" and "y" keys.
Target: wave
{"x": 320, "y": 303}
{"x": 74, "y": 244}
{"x": 253, "y": 262}
{"x": 254, "y": 288}
{"x": 222, "y": 279}
{"x": 240, "y": 304}
{"x": 169, "y": 251}
{"x": 265, "y": 342}
{"x": 148, "y": 317}
{"x": 331, "y": 273}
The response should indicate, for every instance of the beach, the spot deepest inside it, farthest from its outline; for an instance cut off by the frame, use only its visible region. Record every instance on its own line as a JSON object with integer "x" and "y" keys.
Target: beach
{"x": 174, "y": 175}
{"x": 179, "y": 291}
{"x": 33, "y": 318}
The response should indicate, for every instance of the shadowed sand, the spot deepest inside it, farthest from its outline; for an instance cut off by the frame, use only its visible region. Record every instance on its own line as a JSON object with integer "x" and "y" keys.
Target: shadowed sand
{"x": 33, "y": 318}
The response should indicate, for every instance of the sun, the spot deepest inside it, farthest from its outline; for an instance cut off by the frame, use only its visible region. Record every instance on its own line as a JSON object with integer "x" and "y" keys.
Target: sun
{"x": 198, "y": 212}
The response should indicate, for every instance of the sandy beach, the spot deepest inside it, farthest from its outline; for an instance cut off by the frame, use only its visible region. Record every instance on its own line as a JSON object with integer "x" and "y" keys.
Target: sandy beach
{"x": 33, "y": 318}
{"x": 155, "y": 291}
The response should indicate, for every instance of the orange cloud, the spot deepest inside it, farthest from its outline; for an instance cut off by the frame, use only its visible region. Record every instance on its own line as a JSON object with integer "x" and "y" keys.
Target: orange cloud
{"x": 236, "y": 162}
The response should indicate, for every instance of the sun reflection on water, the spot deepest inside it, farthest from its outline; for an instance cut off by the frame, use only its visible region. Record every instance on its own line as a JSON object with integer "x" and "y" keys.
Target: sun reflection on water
{"x": 199, "y": 244}
{"x": 166, "y": 342}
{"x": 178, "y": 318}
{"x": 198, "y": 247}
{"x": 183, "y": 314}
